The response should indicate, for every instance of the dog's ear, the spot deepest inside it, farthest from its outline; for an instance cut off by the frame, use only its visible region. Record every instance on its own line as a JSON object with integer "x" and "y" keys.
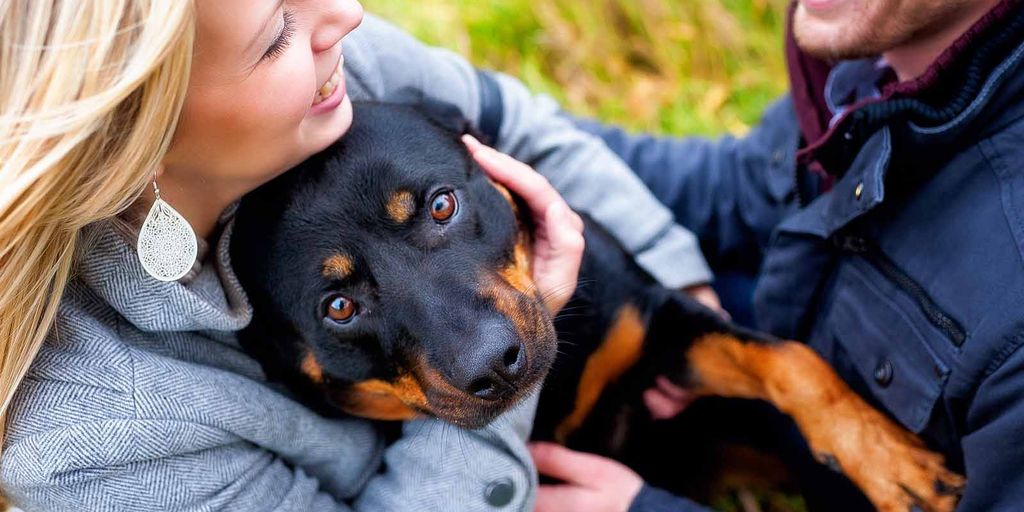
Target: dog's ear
{"x": 450, "y": 118}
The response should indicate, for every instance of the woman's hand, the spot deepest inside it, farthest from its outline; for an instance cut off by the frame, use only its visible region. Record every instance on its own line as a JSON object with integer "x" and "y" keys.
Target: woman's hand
{"x": 592, "y": 483}
{"x": 558, "y": 232}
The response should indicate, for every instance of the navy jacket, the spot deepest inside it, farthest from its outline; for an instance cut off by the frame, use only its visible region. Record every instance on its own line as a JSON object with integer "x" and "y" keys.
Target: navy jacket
{"x": 904, "y": 265}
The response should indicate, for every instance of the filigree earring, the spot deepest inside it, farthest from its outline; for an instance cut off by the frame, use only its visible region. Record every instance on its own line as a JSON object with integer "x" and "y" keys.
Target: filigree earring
{"x": 167, "y": 244}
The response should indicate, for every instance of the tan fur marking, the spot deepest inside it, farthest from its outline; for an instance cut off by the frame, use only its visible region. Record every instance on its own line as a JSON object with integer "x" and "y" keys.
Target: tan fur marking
{"x": 380, "y": 400}
{"x": 874, "y": 452}
{"x": 619, "y": 351}
{"x": 517, "y": 275}
{"x": 339, "y": 266}
{"x": 311, "y": 368}
{"x": 507, "y": 195}
{"x": 401, "y": 205}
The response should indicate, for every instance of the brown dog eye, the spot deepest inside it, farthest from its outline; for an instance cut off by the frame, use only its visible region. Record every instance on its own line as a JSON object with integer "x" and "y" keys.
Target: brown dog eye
{"x": 340, "y": 309}
{"x": 443, "y": 206}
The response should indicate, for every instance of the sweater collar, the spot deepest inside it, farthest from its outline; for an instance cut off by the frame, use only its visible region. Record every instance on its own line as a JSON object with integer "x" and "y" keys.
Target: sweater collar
{"x": 210, "y": 298}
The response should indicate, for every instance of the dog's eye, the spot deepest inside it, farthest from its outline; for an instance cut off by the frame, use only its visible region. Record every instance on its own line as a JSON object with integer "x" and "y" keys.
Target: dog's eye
{"x": 341, "y": 309}
{"x": 443, "y": 206}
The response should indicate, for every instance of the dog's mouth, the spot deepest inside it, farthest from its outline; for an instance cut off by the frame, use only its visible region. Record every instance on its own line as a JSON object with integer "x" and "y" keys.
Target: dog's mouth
{"x": 426, "y": 392}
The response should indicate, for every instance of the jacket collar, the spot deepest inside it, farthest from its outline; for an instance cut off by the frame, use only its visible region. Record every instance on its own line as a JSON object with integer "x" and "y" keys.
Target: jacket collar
{"x": 932, "y": 116}
{"x": 211, "y": 300}
{"x": 942, "y": 88}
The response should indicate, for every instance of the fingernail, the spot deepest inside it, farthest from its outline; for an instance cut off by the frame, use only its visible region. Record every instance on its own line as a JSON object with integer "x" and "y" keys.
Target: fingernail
{"x": 471, "y": 141}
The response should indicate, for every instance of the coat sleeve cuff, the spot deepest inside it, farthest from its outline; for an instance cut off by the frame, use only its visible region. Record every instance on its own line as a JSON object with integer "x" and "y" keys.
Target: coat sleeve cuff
{"x": 675, "y": 260}
{"x": 652, "y": 499}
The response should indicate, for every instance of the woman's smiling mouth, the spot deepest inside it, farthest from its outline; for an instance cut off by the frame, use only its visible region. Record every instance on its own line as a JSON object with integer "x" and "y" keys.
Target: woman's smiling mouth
{"x": 330, "y": 94}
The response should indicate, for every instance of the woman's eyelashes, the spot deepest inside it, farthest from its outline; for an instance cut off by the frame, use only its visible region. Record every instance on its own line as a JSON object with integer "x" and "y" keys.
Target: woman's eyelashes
{"x": 284, "y": 37}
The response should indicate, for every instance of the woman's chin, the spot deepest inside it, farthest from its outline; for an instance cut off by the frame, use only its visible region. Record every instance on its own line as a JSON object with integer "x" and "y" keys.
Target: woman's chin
{"x": 323, "y": 130}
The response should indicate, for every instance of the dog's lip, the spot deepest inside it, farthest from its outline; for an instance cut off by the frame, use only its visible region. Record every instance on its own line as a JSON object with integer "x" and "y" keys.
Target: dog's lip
{"x": 468, "y": 411}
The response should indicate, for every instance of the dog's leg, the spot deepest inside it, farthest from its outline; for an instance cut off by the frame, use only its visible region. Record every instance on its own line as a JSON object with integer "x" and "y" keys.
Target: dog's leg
{"x": 890, "y": 465}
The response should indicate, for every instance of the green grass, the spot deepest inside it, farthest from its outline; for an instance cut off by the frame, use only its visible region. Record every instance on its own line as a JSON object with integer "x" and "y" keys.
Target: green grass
{"x": 669, "y": 66}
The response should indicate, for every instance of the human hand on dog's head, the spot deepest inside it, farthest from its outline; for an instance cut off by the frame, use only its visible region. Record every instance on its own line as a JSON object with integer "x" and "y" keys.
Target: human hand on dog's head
{"x": 558, "y": 231}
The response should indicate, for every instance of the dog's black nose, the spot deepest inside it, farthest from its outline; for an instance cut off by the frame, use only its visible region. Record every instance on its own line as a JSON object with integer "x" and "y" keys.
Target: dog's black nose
{"x": 491, "y": 363}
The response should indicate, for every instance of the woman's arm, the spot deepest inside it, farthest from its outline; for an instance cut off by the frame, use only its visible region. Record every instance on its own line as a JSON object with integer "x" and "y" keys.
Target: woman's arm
{"x": 385, "y": 64}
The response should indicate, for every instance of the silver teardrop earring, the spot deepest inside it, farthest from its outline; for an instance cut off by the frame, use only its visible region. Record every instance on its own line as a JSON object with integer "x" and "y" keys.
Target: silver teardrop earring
{"x": 167, "y": 244}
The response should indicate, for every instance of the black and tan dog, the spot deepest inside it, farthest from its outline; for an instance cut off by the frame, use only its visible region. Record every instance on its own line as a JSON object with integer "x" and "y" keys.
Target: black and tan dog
{"x": 390, "y": 279}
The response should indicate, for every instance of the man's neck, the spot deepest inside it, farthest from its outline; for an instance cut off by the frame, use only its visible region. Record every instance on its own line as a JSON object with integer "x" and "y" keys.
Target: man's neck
{"x": 911, "y": 59}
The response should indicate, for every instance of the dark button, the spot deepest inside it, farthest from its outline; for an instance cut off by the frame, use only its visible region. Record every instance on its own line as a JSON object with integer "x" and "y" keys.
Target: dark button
{"x": 883, "y": 373}
{"x": 500, "y": 492}
{"x": 940, "y": 372}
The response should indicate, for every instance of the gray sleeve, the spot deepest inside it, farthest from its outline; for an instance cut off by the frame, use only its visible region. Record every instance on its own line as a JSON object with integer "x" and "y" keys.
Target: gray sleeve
{"x": 106, "y": 473}
{"x": 385, "y": 64}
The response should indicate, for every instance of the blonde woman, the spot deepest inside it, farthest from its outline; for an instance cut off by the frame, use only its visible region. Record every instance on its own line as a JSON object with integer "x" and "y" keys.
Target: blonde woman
{"x": 122, "y": 391}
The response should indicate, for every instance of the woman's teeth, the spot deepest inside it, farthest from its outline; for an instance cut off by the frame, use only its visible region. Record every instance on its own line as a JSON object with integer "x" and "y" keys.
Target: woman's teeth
{"x": 327, "y": 89}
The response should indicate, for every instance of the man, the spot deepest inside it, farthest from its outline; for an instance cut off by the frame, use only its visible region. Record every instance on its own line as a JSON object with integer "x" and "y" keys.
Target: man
{"x": 883, "y": 202}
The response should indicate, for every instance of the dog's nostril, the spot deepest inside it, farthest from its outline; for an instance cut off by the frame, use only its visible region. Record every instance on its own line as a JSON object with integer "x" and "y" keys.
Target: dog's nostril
{"x": 483, "y": 388}
{"x": 511, "y": 357}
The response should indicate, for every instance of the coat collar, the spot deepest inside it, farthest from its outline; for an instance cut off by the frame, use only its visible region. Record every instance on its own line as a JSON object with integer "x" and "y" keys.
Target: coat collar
{"x": 211, "y": 300}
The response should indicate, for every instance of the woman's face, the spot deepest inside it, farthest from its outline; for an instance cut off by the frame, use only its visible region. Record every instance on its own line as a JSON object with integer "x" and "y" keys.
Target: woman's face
{"x": 255, "y": 104}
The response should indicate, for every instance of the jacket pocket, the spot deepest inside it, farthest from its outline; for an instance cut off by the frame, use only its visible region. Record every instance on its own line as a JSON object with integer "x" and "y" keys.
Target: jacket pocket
{"x": 887, "y": 349}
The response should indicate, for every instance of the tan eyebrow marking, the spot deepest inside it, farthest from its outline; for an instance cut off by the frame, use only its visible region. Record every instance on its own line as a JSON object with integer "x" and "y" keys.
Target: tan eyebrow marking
{"x": 311, "y": 368}
{"x": 401, "y": 206}
{"x": 338, "y": 266}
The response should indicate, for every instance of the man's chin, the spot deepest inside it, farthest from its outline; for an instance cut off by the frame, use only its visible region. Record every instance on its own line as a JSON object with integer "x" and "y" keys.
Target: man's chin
{"x": 831, "y": 40}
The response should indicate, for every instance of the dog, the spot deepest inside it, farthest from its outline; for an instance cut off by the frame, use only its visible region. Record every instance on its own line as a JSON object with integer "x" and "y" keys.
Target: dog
{"x": 390, "y": 279}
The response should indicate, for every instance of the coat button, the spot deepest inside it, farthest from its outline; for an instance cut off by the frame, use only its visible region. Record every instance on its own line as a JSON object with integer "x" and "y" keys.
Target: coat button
{"x": 857, "y": 192}
{"x": 500, "y": 492}
{"x": 883, "y": 373}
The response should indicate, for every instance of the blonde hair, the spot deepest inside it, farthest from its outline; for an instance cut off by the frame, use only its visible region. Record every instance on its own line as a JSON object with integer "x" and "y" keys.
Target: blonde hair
{"x": 90, "y": 94}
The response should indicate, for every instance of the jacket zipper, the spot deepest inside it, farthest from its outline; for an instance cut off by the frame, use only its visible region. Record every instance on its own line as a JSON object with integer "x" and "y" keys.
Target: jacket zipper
{"x": 939, "y": 318}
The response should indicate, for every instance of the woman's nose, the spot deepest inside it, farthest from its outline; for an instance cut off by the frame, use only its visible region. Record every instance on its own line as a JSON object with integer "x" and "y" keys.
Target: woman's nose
{"x": 334, "y": 20}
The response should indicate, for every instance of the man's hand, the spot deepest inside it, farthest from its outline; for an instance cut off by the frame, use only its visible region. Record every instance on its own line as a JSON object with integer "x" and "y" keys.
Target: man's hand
{"x": 666, "y": 400}
{"x": 592, "y": 483}
{"x": 706, "y": 295}
{"x": 558, "y": 231}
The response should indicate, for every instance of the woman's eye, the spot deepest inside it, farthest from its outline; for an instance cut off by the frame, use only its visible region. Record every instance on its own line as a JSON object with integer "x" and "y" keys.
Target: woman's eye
{"x": 341, "y": 309}
{"x": 283, "y": 38}
{"x": 443, "y": 206}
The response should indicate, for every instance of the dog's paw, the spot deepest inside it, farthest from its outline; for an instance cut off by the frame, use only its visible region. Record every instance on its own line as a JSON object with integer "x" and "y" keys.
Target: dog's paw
{"x": 890, "y": 465}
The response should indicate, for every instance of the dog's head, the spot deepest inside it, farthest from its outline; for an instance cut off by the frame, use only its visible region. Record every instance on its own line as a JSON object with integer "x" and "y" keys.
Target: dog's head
{"x": 392, "y": 276}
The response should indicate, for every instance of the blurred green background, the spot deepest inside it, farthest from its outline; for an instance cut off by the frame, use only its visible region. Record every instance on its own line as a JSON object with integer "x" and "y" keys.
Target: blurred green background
{"x": 667, "y": 66}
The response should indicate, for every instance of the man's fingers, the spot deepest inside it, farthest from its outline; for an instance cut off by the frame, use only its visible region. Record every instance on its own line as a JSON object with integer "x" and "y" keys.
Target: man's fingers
{"x": 671, "y": 389}
{"x": 563, "y": 498}
{"x": 662, "y": 407}
{"x": 560, "y": 462}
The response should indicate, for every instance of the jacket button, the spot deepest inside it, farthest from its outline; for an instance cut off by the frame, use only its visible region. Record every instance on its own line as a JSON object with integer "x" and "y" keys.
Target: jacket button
{"x": 858, "y": 191}
{"x": 500, "y": 492}
{"x": 883, "y": 373}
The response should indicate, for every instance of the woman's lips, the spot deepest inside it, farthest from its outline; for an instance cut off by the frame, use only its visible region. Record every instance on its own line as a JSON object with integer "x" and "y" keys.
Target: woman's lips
{"x": 331, "y": 84}
{"x": 331, "y": 93}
